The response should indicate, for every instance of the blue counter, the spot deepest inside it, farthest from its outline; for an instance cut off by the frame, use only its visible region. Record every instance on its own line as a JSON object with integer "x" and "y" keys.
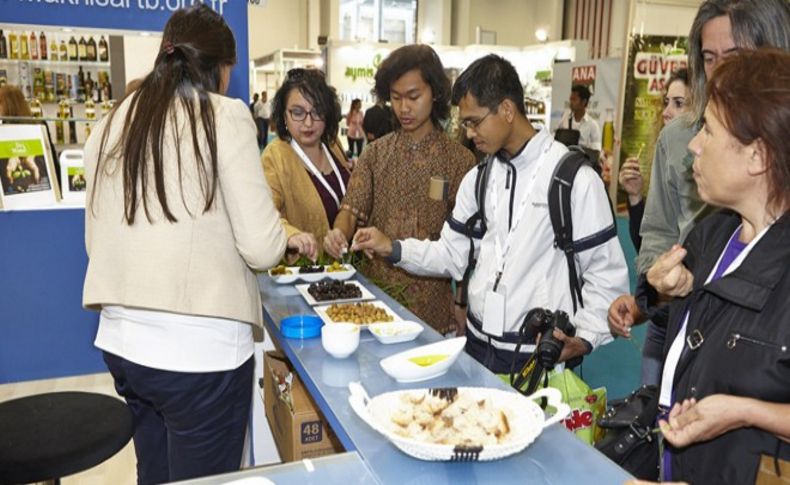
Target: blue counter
{"x": 343, "y": 468}
{"x": 556, "y": 457}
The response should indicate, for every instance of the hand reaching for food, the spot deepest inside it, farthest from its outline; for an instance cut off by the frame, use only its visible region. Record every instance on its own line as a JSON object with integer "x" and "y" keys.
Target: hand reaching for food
{"x": 305, "y": 244}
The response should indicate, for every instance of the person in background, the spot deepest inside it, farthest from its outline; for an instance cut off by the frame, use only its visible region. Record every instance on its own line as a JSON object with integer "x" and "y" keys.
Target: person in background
{"x": 263, "y": 114}
{"x": 305, "y": 167}
{"x": 725, "y": 375}
{"x": 356, "y": 135}
{"x": 178, "y": 219}
{"x": 516, "y": 257}
{"x": 14, "y": 105}
{"x": 720, "y": 29}
{"x": 676, "y": 102}
{"x": 577, "y": 118}
{"x": 252, "y": 104}
{"x": 257, "y": 115}
{"x": 378, "y": 120}
{"x": 391, "y": 184}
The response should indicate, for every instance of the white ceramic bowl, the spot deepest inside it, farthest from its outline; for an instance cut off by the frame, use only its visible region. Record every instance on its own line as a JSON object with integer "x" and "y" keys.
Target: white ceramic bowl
{"x": 340, "y": 339}
{"x": 400, "y": 367}
{"x": 395, "y": 332}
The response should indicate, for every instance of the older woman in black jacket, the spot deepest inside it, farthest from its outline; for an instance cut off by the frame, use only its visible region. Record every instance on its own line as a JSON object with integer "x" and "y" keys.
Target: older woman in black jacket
{"x": 726, "y": 374}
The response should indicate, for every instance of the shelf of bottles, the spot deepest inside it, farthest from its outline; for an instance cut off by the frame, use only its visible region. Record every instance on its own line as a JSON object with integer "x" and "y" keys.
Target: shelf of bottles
{"x": 65, "y": 77}
{"x": 536, "y": 110}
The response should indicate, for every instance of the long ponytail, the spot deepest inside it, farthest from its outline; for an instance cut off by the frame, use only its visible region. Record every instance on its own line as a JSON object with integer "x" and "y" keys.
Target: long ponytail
{"x": 196, "y": 45}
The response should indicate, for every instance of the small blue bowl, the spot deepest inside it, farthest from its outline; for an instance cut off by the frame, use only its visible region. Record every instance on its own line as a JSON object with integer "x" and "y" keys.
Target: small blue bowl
{"x": 301, "y": 326}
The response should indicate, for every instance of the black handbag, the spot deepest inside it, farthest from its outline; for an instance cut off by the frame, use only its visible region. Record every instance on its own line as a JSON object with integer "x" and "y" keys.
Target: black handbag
{"x": 568, "y": 136}
{"x": 629, "y": 440}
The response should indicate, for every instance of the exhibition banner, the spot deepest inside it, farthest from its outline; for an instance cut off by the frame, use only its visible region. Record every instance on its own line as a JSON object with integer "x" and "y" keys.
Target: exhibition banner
{"x": 651, "y": 61}
{"x": 133, "y": 15}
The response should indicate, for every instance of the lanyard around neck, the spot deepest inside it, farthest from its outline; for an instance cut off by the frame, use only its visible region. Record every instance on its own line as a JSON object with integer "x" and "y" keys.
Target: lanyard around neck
{"x": 503, "y": 248}
{"x": 317, "y": 173}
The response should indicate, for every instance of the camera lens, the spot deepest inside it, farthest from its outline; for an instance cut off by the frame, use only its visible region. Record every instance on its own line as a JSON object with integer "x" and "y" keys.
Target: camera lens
{"x": 549, "y": 350}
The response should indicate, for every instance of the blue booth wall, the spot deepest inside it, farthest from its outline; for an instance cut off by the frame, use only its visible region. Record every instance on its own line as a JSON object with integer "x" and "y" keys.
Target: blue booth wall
{"x": 44, "y": 332}
{"x": 135, "y": 16}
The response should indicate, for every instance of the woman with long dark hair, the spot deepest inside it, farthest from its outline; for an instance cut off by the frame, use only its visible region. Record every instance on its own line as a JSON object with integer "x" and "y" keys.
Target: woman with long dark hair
{"x": 178, "y": 219}
{"x": 676, "y": 102}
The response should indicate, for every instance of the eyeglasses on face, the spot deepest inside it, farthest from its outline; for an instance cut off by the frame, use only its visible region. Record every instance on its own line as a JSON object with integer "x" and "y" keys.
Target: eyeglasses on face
{"x": 472, "y": 124}
{"x": 300, "y": 114}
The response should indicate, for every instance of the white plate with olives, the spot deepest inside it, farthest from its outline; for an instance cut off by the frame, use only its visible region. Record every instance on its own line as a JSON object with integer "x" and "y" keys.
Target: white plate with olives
{"x": 334, "y": 291}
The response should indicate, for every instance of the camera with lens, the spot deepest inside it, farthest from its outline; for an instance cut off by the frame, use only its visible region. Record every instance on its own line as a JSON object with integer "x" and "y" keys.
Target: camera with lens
{"x": 543, "y": 322}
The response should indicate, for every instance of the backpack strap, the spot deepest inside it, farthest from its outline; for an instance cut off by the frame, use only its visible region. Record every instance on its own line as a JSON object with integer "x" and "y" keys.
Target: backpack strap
{"x": 562, "y": 218}
{"x": 478, "y": 218}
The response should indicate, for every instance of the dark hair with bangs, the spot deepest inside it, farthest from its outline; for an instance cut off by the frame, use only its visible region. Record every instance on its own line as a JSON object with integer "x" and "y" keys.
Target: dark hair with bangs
{"x": 312, "y": 84}
{"x": 681, "y": 75}
{"x": 196, "y": 45}
{"x": 423, "y": 58}
{"x": 751, "y": 95}
{"x": 491, "y": 80}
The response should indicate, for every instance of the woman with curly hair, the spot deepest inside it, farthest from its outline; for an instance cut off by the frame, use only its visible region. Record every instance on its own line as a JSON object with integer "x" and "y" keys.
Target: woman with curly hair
{"x": 305, "y": 167}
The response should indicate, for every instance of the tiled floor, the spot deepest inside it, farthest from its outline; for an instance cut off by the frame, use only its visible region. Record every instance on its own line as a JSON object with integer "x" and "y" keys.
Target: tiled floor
{"x": 118, "y": 470}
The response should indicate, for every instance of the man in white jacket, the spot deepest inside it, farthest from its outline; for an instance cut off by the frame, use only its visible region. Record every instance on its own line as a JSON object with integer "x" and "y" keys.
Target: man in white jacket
{"x": 518, "y": 268}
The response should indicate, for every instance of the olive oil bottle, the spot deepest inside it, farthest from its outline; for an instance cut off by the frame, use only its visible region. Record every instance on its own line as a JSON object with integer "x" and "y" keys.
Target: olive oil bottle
{"x": 104, "y": 52}
{"x": 42, "y": 42}
{"x": 82, "y": 49}
{"x": 3, "y": 46}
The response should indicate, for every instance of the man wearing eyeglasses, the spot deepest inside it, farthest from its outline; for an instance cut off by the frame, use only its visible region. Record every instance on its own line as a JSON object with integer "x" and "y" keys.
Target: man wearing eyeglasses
{"x": 517, "y": 266}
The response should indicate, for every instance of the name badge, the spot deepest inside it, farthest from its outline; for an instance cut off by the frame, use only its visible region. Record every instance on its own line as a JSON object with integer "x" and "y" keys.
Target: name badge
{"x": 494, "y": 311}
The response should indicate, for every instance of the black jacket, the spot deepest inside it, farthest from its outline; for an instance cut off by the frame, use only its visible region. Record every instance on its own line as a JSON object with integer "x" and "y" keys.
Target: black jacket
{"x": 744, "y": 319}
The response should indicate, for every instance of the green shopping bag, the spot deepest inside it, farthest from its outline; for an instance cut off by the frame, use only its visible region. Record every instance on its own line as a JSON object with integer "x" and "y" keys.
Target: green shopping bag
{"x": 587, "y": 405}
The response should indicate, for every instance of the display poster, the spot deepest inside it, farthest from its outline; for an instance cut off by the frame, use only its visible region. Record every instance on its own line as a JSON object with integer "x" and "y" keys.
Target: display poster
{"x": 602, "y": 77}
{"x": 72, "y": 175}
{"x": 651, "y": 61}
{"x": 26, "y": 169}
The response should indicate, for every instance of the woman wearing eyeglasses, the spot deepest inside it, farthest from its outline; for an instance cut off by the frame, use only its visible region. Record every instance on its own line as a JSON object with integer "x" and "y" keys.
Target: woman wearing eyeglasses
{"x": 305, "y": 167}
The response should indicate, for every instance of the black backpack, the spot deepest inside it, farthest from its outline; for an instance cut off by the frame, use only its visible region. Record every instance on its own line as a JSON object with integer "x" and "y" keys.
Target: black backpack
{"x": 559, "y": 213}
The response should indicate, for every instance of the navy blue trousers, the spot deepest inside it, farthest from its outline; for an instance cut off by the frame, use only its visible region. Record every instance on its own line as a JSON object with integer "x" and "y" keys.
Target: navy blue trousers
{"x": 187, "y": 425}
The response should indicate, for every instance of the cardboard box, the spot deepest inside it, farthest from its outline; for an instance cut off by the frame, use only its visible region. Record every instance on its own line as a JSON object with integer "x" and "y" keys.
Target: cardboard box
{"x": 298, "y": 427}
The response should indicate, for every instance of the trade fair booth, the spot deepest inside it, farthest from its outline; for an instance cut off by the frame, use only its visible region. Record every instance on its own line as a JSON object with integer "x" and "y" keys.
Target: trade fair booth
{"x": 85, "y": 55}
